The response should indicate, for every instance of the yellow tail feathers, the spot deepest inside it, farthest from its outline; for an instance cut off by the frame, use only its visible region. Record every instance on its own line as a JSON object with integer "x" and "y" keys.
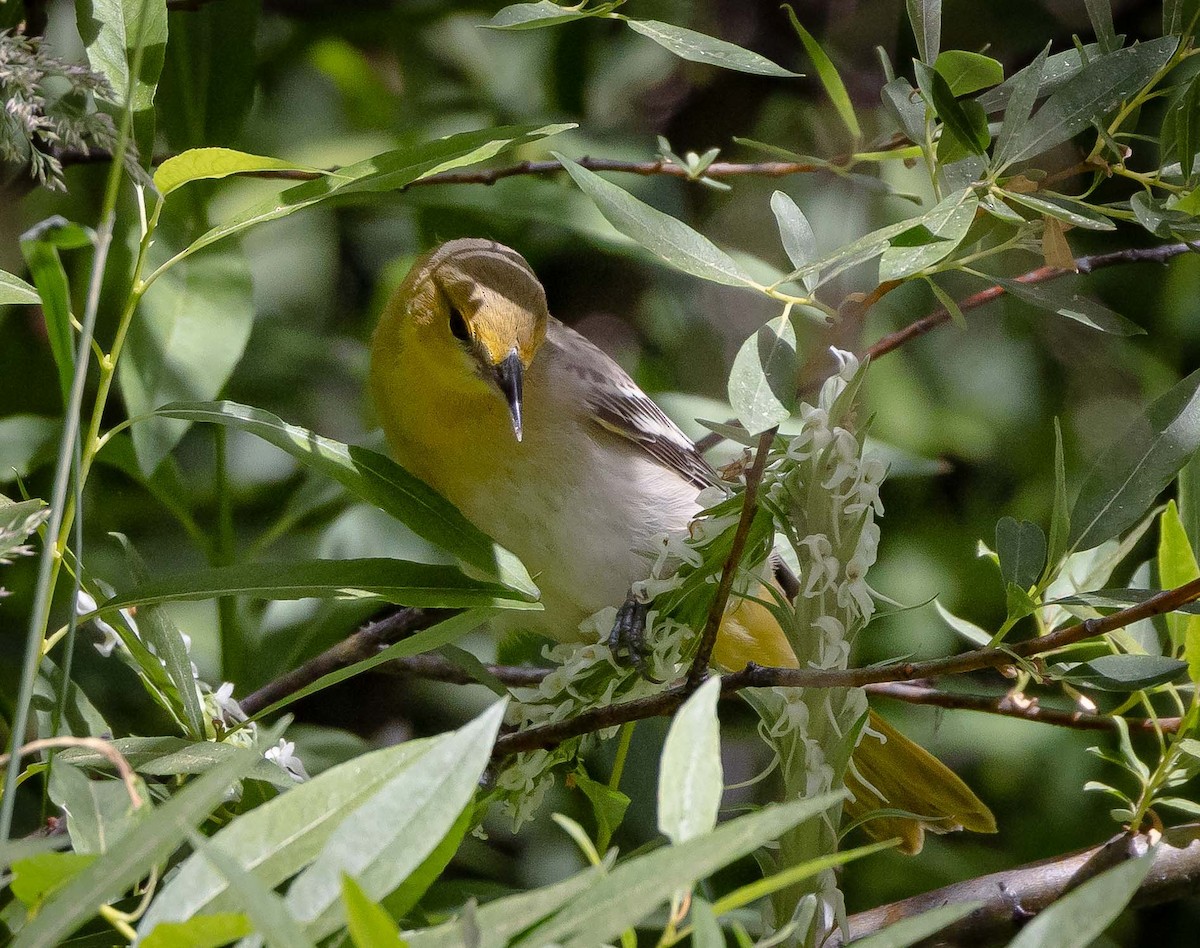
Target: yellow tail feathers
{"x": 888, "y": 771}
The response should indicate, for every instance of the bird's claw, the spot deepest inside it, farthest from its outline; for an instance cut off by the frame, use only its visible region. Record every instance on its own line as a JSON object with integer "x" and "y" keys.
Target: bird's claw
{"x": 627, "y": 640}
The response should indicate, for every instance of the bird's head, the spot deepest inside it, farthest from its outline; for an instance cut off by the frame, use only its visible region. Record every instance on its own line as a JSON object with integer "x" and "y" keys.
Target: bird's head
{"x": 476, "y": 311}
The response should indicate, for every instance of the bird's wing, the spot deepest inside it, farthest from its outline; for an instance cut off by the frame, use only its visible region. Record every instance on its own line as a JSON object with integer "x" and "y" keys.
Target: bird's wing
{"x": 616, "y": 404}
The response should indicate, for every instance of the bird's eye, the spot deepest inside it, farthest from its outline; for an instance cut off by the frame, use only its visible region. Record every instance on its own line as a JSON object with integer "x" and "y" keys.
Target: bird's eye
{"x": 458, "y": 325}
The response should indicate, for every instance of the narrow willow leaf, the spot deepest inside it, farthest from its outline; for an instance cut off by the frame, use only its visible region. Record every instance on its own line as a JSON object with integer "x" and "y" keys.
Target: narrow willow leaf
{"x": 926, "y": 19}
{"x": 389, "y": 171}
{"x": 910, "y": 931}
{"x": 278, "y": 839}
{"x": 389, "y": 835}
{"x": 968, "y": 630}
{"x": 1176, "y": 567}
{"x": 1181, "y": 128}
{"x": 796, "y": 233}
{"x": 948, "y": 222}
{"x": 532, "y": 16}
{"x": 967, "y": 72}
{"x": 1082, "y": 915}
{"x": 1058, "y": 298}
{"x": 690, "y": 777}
{"x": 828, "y": 74}
{"x": 670, "y": 239}
{"x": 190, "y": 333}
{"x": 1075, "y": 213}
{"x": 1057, "y": 70}
{"x": 1090, "y": 94}
{"x": 99, "y": 812}
{"x": 261, "y": 904}
{"x": 1060, "y": 515}
{"x": 203, "y": 931}
{"x": 132, "y": 856}
{"x": 172, "y": 757}
{"x": 39, "y": 875}
{"x": 1026, "y": 85}
{"x": 15, "y": 291}
{"x": 1021, "y": 546}
{"x": 632, "y": 890}
{"x": 111, "y": 31}
{"x": 762, "y": 382}
{"x": 965, "y": 120}
{"x": 1101, "y": 15}
{"x": 702, "y": 48}
{"x": 949, "y": 304}
{"x": 1189, "y": 501}
{"x": 1128, "y": 477}
{"x": 367, "y": 923}
{"x": 379, "y": 481}
{"x": 900, "y": 98}
{"x": 197, "y": 164}
{"x": 1123, "y": 673}
{"x": 395, "y": 581}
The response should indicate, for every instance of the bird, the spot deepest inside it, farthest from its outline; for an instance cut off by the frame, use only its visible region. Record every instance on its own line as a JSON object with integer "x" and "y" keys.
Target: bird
{"x": 546, "y": 444}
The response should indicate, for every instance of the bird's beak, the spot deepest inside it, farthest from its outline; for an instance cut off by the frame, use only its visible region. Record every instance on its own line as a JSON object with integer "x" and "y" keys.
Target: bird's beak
{"x": 510, "y": 375}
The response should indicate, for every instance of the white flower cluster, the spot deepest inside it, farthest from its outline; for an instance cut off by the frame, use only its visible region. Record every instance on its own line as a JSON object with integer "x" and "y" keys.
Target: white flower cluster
{"x": 219, "y": 705}
{"x": 15, "y": 528}
{"x": 824, "y": 496}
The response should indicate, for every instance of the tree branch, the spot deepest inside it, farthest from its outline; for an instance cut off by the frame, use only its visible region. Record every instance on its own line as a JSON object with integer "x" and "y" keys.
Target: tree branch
{"x": 716, "y": 612}
{"x": 1011, "y": 898}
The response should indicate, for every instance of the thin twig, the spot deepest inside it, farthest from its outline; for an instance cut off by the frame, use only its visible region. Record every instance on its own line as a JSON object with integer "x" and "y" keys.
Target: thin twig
{"x": 363, "y": 644}
{"x": 1009, "y": 899}
{"x": 716, "y": 612}
{"x": 1006, "y": 706}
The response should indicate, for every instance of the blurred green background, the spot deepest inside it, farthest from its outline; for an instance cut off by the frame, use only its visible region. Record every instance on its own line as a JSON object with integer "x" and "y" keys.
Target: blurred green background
{"x": 327, "y": 83}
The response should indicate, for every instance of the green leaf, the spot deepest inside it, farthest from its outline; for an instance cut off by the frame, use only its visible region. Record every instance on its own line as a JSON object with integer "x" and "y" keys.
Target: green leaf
{"x": 1119, "y": 599}
{"x": 1123, "y": 673}
{"x": 762, "y": 383}
{"x": 1189, "y": 500}
{"x": 389, "y": 835}
{"x": 99, "y": 812}
{"x": 378, "y": 480}
{"x": 389, "y": 171}
{"x": 828, "y": 74}
{"x": 1128, "y": 477}
{"x": 1025, "y": 86}
{"x": 690, "y": 777}
{"x": 131, "y": 857}
{"x": 670, "y": 239}
{"x": 190, "y": 332}
{"x": 1100, "y": 13}
{"x": 197, "y": 164}
{"x": 1082, "y": 915}
{"x": 405, "y": 898}
{"x": 494, "y": 924}
{"x": 111, "y": 31}
{"x": 949, "y": 304}
{"x": 1021, "y": 546}
{"x": 967, "y": 72}
{"x": 796, "y": 233}
{"x": 966, "y": 121}
{"x": 1075, "y": 213}
{"x": 1060, "y": 515}
{"x": 42, "y": 874}
{"x": 631, "y": 891}
{"x": 1058, "y": 298}
{"x": 973, "y": 634}
{"x": 949, "y": 221}
{"x": 172, "y": 757}
{"x": 262, "y": 906}
{"x": 906, "y": 107}
{"x": 608, "y": 803}
{"x": 368, "y": 924}
{"x": 203, "y": 931}
{"x": 394, "y": 581}
{"x": 1090, "y": 94}
{"x": 1057, "y": 71}
{"x": 909, "y": 931}
{"x": 1181, "y": 128}
{"x": 926, "y": 19}
{"x": 15, "y": 291}
{"x": 281, "y": 837}
{"x": 1176, "y": 567}
{"x": 701, "y": 48}
{"x": 532, "y": 16}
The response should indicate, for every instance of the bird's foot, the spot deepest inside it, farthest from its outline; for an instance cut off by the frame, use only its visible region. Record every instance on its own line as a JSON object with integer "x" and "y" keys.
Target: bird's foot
{"x": 627, "y": 640}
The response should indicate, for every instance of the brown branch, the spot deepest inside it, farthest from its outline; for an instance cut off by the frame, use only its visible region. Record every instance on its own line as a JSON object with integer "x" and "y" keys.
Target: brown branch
{"x": 363, "y": 644}
{"x": 1086, "y": 264}
{"x": 1005, "y": 706}
{"x": 716, "y": 612}
{"x": 756, "y": 676}
{"x": 1011, "y": 898}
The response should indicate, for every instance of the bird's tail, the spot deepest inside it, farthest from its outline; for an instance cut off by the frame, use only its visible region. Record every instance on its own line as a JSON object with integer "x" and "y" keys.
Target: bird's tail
{"x": 887, "y": 772}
